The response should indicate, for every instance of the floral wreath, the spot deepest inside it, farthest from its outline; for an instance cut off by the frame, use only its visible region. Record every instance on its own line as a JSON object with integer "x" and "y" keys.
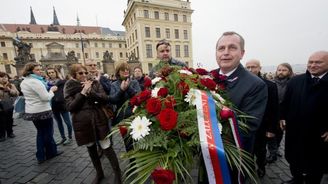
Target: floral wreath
{"x": 164, "y": 128}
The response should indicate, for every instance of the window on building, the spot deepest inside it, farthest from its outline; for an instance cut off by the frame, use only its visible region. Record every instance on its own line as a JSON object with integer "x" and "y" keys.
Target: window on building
{"x": 135, "y": 33}
{"x": 134, "y": 16}
{"x": 103, "y": 45}
{"x": 167, "y": 33}
{"x": 167, "y": 16}
{"x": 156, "y": 14}
{"x": 175, "y": 17}
{"x": 84, "y": 45}
{"x": 3, "y": 44}
{"x": 150, "y": 66}
{"x": 146, "y": 13}
{"x": 184, "y": 17}
{"x": 125, "y": 46}
{"x": 176, "y": 33}
{"x": 177, "y": 51}
{"x": 77, "y": 45}
{"x": 149, "y": 51}
{"x": 97, "y": 54}
{"x": 132, "y": 37}
{"x": 78, "y": 55}
{"x": 5, "y": 56}
{"x": 121, "y": 54}
{"x": 110, "y": 45}
{"x": 185, "y": 34}
{"x": 137, "y": 51}
{"x": 86, "y": 55}
{"x": 8, "y": 69}
{"x": 186, "y": 50}
{"x": 120, "y": 45}
{"x": 158, "y": 32}
{"x": 187, "y": 63}
{"x": 96, "y": 44}
{"x": 147, "y": 32}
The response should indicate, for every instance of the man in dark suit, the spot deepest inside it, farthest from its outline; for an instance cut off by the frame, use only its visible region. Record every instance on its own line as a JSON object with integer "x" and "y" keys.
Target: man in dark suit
{"x": 246, "y": 91}
{"x": 305, "y": 114}
{"x": 268, "y": 127}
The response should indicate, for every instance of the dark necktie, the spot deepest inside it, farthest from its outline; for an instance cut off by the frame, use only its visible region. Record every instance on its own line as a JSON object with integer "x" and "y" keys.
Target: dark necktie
{"x": 315, "y": 80}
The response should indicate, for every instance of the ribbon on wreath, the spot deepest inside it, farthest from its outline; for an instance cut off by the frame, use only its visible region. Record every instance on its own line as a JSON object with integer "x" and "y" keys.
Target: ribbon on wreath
{"x": 210, "y": 139}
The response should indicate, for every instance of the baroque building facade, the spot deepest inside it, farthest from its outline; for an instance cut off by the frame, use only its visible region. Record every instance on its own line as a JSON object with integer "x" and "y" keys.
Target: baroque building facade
{"x": 148, "y": 21}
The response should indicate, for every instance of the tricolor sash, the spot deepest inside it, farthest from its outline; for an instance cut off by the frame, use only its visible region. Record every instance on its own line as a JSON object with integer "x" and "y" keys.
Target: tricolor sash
{"x": 210, "y": 139}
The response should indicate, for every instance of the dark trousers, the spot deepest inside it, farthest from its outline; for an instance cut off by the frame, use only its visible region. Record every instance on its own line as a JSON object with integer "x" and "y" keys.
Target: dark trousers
{"x": 45, "y": 143}
{"x": 260, "y": 149}
{"x": 6, "y": 123}
{"x": 274, "y": 143}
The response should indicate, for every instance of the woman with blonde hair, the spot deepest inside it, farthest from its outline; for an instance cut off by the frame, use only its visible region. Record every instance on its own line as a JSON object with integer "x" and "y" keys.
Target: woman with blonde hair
{"x": 38, "y": 110}
{"x": 85, "y": 100}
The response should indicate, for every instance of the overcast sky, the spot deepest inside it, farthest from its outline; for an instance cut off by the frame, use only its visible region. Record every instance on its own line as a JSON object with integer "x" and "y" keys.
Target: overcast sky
{"x": 275, "y": 31}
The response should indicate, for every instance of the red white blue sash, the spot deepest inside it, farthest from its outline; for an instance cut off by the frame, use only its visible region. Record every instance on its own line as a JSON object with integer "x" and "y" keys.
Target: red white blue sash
{"x": 210, "y": 139}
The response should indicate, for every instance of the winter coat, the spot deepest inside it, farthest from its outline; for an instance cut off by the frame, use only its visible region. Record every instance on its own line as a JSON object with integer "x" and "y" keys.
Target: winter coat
{"x": 58, "y": 101}
{"x": 305, "y": 112}
{"x": 89, "y": 120}
{"x": 118, "y": 97}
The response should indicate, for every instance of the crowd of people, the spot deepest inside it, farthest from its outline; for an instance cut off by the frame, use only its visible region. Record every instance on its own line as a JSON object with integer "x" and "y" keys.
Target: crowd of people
{"x": 285, "y": 103}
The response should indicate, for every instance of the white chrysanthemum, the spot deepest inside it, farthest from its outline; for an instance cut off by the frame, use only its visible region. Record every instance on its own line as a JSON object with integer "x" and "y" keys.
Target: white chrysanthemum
{"x": 185, "y": 72}
{"x": 140, "y": 127}
{"x": 155, "y": 80}
{"x": 154, "y": 92}
{"x": 220, "y": 128}
{"x": 191, "y": 97}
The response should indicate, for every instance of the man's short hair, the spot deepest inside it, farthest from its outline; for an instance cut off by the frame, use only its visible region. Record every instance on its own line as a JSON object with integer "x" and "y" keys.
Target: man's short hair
{"x": 162, "y": 42}
{"x": 229, "y": 33}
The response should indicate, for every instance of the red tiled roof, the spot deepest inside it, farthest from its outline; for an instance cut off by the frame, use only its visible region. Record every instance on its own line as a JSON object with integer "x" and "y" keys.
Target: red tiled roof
{"x": 61, "y": 28}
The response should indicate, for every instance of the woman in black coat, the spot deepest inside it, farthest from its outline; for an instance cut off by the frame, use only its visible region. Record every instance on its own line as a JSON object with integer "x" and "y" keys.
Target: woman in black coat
{"x": 85, "y": 100}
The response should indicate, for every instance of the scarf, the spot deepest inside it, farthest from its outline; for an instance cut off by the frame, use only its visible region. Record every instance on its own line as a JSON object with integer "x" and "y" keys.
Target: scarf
{"x": 40, "y": 78}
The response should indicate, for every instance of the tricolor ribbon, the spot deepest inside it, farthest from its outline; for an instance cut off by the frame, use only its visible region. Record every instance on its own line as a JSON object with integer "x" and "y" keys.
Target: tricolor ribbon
{"x": 210, "y": 139}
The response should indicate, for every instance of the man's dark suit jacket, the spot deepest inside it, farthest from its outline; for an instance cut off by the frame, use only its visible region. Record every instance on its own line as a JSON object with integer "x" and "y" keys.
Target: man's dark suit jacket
{"x": 249, "y": 94}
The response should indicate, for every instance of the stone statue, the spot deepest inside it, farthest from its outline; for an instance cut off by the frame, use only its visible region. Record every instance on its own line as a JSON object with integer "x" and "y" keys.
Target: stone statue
{"x": 71, "y": 56}
{"x": 107, "y": 57}
{"x": 24, "y": 52}
{"x": 133, "y": 58}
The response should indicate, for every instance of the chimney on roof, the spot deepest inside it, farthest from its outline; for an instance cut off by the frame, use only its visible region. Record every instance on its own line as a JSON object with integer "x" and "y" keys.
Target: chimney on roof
{"x": 55, "y": 22}
{"x": 32, "y": 21}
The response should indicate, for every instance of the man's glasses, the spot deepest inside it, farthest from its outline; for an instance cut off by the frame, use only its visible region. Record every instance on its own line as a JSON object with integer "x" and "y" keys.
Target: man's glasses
{"x": 81, "y": 73}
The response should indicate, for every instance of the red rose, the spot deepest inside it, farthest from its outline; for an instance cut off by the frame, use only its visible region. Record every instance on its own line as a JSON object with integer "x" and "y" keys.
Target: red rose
{"x": 167, "y": 119}
{"x": 170, "y": 102}
{"x": 215, "y": 74}
{"x": 209, "y": 83}
{"x": 163, "y": 176}
{"x": 201, "y": 71}
{"x": 226, "y": 113}
{"x": 135, "y": 100}
{"x": 147, "y": 82}
{"x": 153, "y": 106}
{"x": 221, "y": 86}
{"x": 144, "y": 95}
{"x": 123, "y": 130}
{"x": 183, "y": 87}
{"x": 163, "y": 92}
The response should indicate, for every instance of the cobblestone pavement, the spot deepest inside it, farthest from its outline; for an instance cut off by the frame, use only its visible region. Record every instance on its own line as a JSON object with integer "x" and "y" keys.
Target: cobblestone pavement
{"x": 18, "y": 163}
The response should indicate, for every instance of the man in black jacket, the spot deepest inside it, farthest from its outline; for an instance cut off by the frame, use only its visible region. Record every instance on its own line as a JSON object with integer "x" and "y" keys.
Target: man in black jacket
{"x": 268, "y": 127}
{"x": 305, "y": 114}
